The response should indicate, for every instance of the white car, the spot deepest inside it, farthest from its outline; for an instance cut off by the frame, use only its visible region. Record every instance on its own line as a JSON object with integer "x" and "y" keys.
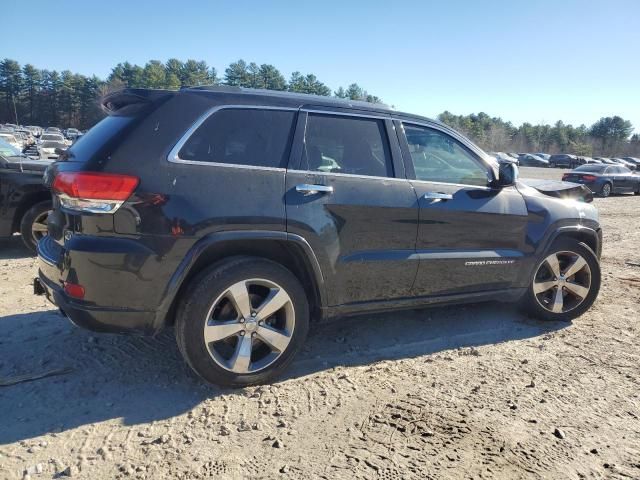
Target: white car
{"x": 47, "y": 149}
{"x": 11, "y": 140}
{"x": 52, "y": 137}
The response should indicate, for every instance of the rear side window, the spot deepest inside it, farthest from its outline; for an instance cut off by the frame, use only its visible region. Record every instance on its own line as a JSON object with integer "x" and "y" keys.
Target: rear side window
{"x": 351, "y": 145}
{"x": 251, "y": 137}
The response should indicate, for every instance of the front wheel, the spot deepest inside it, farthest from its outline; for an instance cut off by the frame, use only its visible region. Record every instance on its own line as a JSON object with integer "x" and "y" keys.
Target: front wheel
{"x": 242, "y": 321}
{"x": 565, "y": 284}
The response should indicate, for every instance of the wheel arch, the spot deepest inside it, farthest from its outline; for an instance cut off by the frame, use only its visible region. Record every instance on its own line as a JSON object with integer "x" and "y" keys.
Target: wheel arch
{"x": 289, "y": 250}
{"x": 592, "y": 238}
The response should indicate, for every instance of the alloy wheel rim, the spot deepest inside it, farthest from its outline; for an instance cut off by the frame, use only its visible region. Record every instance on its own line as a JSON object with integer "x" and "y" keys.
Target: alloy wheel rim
{"x": 562, "y": 282}
{"x": 39, "y": 227}
{"x": 606, "y": 189}
{"x": 249, "y": 325}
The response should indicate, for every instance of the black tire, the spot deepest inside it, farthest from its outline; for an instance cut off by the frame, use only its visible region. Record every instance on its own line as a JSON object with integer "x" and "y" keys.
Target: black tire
{"x": 33, "y": 215}
{"x": 206, "y": 288}
{"x": 606, "y": 190}
{"x": 532, "y": 306}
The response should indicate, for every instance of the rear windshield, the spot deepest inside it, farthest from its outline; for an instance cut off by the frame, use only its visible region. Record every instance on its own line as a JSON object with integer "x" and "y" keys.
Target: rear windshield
{"x": 98, "y": 137}
{"x": 591, "y": 168}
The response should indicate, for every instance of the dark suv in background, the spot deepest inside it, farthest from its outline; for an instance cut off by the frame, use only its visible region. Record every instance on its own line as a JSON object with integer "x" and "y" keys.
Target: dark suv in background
{"x": 242, "y": 215}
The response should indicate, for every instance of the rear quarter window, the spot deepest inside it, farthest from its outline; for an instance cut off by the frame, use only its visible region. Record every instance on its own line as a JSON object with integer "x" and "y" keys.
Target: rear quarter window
{"x": 239, "y": 136}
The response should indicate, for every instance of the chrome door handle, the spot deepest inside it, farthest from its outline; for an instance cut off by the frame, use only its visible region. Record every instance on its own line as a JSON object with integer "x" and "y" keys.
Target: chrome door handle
{"x": 437, "y": 196}
{"x": 307, "y": 189}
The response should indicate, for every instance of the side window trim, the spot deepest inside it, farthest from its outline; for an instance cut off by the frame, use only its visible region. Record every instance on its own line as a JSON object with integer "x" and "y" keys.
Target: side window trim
{"x": 174, "y": 156}
{"x": 300, "y": 139}
{"x": 408, "y": 162}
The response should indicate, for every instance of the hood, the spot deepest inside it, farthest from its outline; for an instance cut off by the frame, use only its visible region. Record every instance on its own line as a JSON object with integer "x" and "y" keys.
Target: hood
{"x": 559, "y": 189}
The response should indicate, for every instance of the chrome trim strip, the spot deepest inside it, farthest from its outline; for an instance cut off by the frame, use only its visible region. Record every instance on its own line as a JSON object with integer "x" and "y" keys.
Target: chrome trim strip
{"x": 452, "y": 184}
{"x": 376, "y": 116}
{"x": 174, "y": 153}
{"x": 349, "y": 175}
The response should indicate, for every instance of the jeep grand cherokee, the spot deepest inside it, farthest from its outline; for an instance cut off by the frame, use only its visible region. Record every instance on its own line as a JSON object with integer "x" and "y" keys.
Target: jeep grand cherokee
{"x": 240, "y": 216}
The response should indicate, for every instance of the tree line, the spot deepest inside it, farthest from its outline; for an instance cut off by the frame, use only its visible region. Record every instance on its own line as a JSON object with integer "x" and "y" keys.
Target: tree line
{"x": 609, "y": 136}
{"x": 31, "y": 96}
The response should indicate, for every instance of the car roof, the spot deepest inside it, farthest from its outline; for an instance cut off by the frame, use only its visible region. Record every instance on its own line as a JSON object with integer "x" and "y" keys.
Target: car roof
{"x": 269, "y": 97}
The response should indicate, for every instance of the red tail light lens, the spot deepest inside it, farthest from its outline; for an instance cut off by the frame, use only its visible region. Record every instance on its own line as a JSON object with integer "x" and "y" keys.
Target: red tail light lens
{"x": 93, "y": 192}
{"x": 565, "y": 176}
{"x": 589, "y": 178}
{"x": 74, "y": 290}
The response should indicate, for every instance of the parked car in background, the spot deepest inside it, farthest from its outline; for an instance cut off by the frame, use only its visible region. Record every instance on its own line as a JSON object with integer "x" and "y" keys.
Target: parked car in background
{"x": 353, "y": 208}
{"x": 634, "y": 160}
{"x": 29, "y": 138}
{"x": 532, "y": 160}
{"x": 51, "y": 149}
{"x": 605, "y": 160}
{"x": 563, "y": 160}
{"x": 53, "y": 130}
{"x": 626, "y": 163}
{"x": 605, "y": 179}
{"x": 24, "y": 200}
{"x": 546, "y": 156}
{"x": 11, "y": 139}
{"x": 71, "y": 133}
{"x": 503, "y": 156}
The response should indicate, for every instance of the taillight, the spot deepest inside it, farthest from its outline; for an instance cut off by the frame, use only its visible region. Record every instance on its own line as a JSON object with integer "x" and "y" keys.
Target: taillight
{"x": 74, "y": 290}
{"x": 589, "y": 178}
{"x": 565, "y": 176}
{"x": 93, "y": 192}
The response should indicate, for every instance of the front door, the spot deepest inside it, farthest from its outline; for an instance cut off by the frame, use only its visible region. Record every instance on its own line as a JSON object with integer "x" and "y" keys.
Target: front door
{"x": 344, "y": 199}
{"x": 470, "y": 236}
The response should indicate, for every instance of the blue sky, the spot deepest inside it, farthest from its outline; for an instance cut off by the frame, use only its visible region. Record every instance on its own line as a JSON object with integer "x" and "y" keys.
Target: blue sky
{"x": 536, "y": 61}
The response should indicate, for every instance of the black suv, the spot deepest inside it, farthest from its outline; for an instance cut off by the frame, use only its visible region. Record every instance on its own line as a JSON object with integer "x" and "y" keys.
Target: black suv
{"x": 240, "y": 216}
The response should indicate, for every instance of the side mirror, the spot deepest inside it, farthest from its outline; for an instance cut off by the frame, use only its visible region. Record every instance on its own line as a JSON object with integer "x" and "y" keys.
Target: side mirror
{"x": 507, "y": 174}
{"x": 59, "y": 151}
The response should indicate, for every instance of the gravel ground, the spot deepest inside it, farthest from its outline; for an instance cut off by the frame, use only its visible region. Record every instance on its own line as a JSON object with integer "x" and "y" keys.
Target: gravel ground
{"x": 459, "y": 392}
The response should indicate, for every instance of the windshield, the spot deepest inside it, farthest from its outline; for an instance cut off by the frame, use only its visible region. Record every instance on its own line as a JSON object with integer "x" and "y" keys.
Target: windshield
{"x": 52, "y": 137}
{"x": 53, "y": 144}
{"x": 7, "y": 150}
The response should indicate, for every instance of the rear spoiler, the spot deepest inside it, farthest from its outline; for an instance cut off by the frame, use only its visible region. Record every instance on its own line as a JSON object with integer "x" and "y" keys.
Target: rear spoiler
{"x": 132, "y": 99}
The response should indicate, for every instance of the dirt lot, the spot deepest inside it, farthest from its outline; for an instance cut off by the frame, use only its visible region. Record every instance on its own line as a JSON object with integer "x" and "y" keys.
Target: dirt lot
{"x": 466, "y": 392}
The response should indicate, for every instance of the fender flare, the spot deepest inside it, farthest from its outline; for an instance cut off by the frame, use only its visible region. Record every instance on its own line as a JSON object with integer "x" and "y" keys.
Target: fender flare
{"x": 579, "y": 229}
{"x": 182, "y": 271}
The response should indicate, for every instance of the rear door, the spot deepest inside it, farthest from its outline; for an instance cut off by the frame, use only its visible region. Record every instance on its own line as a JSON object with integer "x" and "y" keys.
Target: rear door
{"x": 346, "y": 195}
{"x": 615, "y": 173}
{"x": 470, "y": 236}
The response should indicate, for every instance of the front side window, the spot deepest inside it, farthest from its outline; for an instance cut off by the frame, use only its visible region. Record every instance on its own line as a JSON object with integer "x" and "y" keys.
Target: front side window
{"x": 437, "y": 157}
{"x": 237, "y": 136}
{"x": 351, "y": 145}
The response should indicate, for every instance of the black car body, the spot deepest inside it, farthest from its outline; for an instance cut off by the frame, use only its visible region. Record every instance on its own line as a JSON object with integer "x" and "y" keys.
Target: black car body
{"x": 369, "y": 209}
{"x": 605, "y": 179}
{"x": 24, "y": 199}
{"x": 563, "y": 160}
{"x": 532, "y": 160}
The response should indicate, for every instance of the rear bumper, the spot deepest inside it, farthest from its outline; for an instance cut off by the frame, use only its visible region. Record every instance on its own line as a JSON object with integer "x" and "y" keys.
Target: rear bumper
{"x": 54, "y": 269}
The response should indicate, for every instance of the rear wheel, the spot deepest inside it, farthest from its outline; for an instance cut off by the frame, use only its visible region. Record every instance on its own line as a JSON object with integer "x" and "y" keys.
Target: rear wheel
{"x": 566, "y": 282}
{"x": 33, "y": 225}
{"x": 605, "y": 191}
{"x": 242, "y": 321}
